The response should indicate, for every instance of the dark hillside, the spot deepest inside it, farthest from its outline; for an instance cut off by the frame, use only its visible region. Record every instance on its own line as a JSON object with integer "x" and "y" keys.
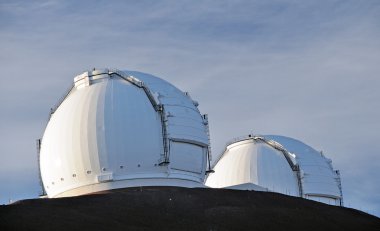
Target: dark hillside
{"x": 173, "y": 208}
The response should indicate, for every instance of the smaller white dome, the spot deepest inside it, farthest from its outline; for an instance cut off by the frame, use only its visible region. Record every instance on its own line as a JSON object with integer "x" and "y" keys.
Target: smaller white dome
{"x": 279, "y": 164}
{"x": 253, "y": 161}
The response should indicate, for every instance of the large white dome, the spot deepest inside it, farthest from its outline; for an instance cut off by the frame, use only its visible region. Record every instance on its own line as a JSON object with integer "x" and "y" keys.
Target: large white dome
{"x": 121, "y": 129}
{"x": 279, "y": 164}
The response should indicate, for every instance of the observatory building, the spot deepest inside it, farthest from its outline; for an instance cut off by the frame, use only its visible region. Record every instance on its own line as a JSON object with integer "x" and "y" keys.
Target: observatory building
{"x": 278, "y": 164}
{"x": 117, "y": 129}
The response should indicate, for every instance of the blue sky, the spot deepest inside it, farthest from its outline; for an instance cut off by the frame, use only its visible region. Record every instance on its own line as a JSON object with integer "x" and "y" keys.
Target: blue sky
{"x": 304, "y": 69}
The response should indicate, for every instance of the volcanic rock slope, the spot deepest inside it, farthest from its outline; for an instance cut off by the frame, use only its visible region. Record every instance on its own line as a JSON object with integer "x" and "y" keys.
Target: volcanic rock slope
{"x": 174, "y": 208}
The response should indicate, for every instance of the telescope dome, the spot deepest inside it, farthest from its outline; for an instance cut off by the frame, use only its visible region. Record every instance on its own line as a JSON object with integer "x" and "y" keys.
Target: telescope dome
{"x": 278, "y": 164}
{"x": 117, "y": 129}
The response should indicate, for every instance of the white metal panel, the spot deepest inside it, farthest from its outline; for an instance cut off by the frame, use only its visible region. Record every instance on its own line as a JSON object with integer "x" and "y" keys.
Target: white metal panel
{"x": 318, "y": 175}
{"x": 132, "y": 129}
{"x": 274, "y": 172}
{"x": 183, "y": 118}
{"x": 187, "y": 157}
{"x": 69, "y": 156}
{"x": 235, "y": 167}
{"x": 326, "y": 200}
{"x": 248, "y": 186}
{"x": 185, "y": 123}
